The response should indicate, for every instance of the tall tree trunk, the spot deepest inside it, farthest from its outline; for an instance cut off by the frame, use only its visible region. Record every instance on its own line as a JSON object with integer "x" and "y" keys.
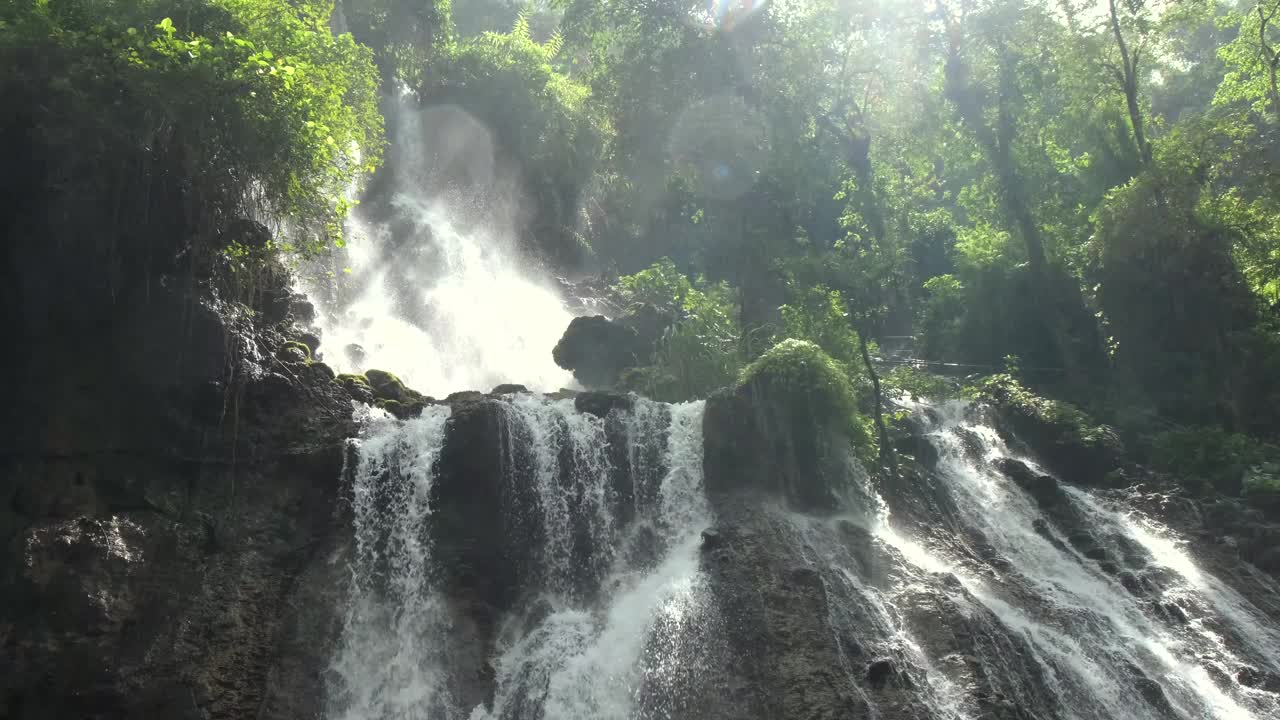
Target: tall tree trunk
{"x": 1129, "y": 82}
{"x": 997, "y": 144}
{"x": 888, "y": 458}
{"x": 1270, "y": 56}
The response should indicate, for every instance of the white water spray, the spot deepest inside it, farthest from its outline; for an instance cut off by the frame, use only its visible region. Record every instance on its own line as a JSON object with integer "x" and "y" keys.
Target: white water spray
{"x": 446, "y": 304}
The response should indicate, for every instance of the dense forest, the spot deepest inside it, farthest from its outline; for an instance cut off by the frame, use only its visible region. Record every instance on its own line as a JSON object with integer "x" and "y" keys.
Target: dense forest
{"x": 1076, "y": 201}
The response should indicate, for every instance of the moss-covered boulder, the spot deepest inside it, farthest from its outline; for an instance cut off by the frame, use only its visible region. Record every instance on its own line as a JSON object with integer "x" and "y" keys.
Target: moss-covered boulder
{"x": 789, "y": 427}
{"x": 294, "y": 353}
{"x": 384, "y": 390}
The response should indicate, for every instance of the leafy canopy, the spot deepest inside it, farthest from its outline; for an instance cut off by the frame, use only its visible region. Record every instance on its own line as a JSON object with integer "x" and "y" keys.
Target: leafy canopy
{"x": 255, "y": 102}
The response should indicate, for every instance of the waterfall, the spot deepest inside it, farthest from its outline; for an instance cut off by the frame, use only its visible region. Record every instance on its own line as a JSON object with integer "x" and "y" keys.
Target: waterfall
{"x": 1109, "y": 614}
{"x": 609, "y": 512}
{"x": 387, "y": 667}
{"x": 977, "y": 587}
{"x": 432, "y": 282}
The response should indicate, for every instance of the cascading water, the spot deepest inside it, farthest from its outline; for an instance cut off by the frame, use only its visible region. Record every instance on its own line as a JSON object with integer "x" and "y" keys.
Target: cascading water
{"x": 450, "y": 304}
{"x": 964, "y": 592}
{"x": 612, "y": 579}
{"x": 386, "y": 666}
{"x": 1104, "y": 614}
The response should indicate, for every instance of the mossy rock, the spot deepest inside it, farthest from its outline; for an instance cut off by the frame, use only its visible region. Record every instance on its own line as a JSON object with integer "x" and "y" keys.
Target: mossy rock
{"x": 1067, "y": 439}
{"x": 347, "y": 379}
{"x": 401, "y": 410}
{"x": 810, "y": 386}
{"x": 790, "y": 427}
{"x": 295, "y": 353}
{"x": 386, "y": 386}
{"x": 357, "y": 386}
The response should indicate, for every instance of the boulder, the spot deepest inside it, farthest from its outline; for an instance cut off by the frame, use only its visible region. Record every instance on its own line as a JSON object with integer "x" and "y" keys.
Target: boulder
{"x": 597, "y": 350}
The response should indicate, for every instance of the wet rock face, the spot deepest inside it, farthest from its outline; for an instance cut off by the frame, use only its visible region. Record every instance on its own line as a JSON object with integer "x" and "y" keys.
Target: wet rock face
{"x": 751, "y": 442}
{"x": 781, "y": 659}
{"x": 170, "y": 489}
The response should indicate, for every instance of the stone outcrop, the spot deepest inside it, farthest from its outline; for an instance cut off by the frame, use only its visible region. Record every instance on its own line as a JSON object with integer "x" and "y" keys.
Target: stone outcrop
{"x": 597, "y": 350}
{"x": 170, "y": 468}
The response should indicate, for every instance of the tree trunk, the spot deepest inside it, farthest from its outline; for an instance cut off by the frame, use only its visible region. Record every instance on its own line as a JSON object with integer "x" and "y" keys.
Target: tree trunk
{"x": 1271, "y": 57}
{"x": 888, "y": 458}
{"x": 998, "y": 147}
{"x": 1129, "y": 82}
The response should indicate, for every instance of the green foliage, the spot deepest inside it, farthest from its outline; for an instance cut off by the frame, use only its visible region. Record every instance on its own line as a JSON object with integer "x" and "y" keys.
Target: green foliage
{"x": 812, "y": 385}
{"x": 296, "y": 120}
{"x": 819, "y": 315}
{"x": 538, "y": 115}
{"x": 701, "y": 352}
{"x": 1005, "y": 390}
{"x": 1251, "y": 58}
{"x": 1216, "y": 458}
{"x": 404, "y": 34}
{"x": 920, "y": 384}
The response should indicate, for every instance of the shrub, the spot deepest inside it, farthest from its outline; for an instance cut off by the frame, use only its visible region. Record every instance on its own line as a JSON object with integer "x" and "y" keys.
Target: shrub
{"x": 1214, "y": 457}
{"x": 700, "y": 352}
{"x": 917, "y": 383}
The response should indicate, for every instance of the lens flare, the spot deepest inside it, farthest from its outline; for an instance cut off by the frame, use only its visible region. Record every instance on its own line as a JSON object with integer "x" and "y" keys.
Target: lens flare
{"x": 728, "y": 13}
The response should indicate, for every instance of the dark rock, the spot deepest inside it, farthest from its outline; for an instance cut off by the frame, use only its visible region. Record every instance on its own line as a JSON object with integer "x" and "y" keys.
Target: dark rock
{"x": 311, "y": 340}
{"x": 1173, "y": 612}
{"x": 293, "y": 353}
{"x": 712, "y": 539}
{"x": 1073, "y": 454}
{"x": 357, "y": 386}
{"x": 1097, "y": 553}
{"x": 508, "y": 389}
{"x": 1133, "y": 583}
{"x": 355, "y": 353}
{"x": 747, "y": 444}
{"x": 302, "y": 310}
{"x": 598, "y": 349}
{"x": 386, "y": 386}
{"x": 320, "y": 372}
{"x": 600, "y": 403}
{"x": 1043, "y": 488}
{"x": 805, "y": 576}
{"x": 880, "y": 672}
{"x": 465, "y": 396}
{"x": 1259, "y": 679}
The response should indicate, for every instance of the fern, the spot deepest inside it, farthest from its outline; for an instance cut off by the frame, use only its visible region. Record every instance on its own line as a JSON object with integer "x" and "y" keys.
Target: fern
{"x": 553, "y": 45}
{"x": 520, "y": 31}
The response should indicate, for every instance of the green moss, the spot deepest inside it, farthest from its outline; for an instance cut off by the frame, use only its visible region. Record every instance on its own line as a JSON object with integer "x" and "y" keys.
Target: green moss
{"x": 293, "y": 350}
{"x": 352, "y": 379}
{"x": 387, "y": 386}
{"x": 810, "y": 385}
